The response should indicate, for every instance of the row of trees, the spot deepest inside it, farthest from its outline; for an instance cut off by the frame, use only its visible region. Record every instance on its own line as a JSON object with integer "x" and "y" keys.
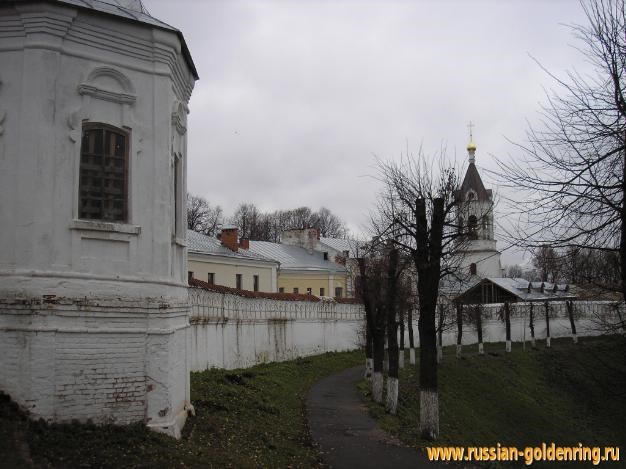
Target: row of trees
{"x": 572, "y": 178}
{"x": 261, "y": 226}
{"x": 582, "y": 266}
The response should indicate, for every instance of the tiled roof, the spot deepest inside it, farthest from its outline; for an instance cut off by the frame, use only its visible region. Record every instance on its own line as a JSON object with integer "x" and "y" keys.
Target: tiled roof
{"x": 199, "y": 243}
{"x": 294, "y": 257}
{"x": 131, "y": 10}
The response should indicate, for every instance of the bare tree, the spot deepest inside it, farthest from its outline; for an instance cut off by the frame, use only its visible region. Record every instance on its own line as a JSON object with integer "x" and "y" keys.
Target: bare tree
{"x": 574, "y": 163}
{"x": 417, "y": 209}
{"x": 514, "y": 271}
{"x": 548, "y": 263}
{"x": 202, "y": 216}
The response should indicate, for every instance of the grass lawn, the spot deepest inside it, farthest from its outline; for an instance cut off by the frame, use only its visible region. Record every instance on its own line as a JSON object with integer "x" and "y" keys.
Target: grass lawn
{"x": 244, "y": 418}
{"x": 566, "y": 395}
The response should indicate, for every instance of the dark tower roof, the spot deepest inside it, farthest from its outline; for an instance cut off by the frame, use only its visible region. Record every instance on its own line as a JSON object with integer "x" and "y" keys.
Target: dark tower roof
{"x": 473, "y": 181}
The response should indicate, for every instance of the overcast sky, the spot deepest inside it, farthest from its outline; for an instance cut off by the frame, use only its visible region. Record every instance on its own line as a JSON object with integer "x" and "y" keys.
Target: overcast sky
{"x": 296, "y": 97}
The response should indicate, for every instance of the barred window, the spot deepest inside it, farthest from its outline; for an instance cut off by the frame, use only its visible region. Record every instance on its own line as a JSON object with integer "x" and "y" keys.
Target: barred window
{"x": 103, "y": 183}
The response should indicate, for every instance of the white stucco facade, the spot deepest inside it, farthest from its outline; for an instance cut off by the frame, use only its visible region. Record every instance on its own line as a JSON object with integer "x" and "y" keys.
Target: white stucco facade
{"x": 93, "y": 314}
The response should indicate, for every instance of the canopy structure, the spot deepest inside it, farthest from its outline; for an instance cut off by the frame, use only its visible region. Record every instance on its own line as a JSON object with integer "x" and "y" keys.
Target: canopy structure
{"x": 512, "y": 290}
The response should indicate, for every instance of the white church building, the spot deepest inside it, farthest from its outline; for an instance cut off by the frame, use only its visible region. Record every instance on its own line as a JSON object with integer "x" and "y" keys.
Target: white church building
{"x": 477, "y": 255}
{"x": 93, "y": 298}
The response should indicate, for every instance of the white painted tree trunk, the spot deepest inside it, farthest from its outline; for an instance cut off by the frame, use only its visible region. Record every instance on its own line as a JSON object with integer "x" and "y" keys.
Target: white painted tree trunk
{"x": 412, "y": 356}
{"x": 401, "y": 358}
{"x": 429, "y": 414}
{"x": 575, "y": 338}
{"x": 391, "y": 404}
{"x": 459, "y": 350}
{"x": 548, "y": 342}
{"x": 377, "y": 386}
{"x": 369, "y": 368}
{"x": 481, "y": 349}
{"x": 508, "y": 346}
{"x": 439, "y": 353}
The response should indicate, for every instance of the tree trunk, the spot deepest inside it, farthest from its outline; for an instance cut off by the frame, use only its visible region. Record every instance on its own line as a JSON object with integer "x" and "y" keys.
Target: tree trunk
{"x": 392, "y": 332}
{"x": 411, "y": 338}
{"x": 622, "y": 242}
{"x": 440, "y": 335}
{"x": 401, "y": 351}
{"x": 531, "y": 325}
{"x": 546, "y": 306}
{"x": 507, "y": 321}
{"x": 427, "y": 259}
{"x": 369, "y": 352}
{"x": 479, "y": 329}
{"x": 570, "y": 314}
{"x": 377, "y": 377}
{"x": 459, "y": 329}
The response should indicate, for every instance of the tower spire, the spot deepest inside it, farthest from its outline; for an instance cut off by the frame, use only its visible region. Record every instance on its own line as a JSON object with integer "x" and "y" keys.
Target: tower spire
{"x": 471, "y": 146}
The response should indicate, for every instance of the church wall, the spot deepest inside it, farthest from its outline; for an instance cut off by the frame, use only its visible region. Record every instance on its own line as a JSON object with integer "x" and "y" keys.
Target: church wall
{"x": 93, "y": 315}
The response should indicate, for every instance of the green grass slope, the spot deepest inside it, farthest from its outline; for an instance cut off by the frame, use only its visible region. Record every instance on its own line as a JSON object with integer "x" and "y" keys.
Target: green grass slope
{"x": 244, "y": 418}
{"x": 566, "y": 394}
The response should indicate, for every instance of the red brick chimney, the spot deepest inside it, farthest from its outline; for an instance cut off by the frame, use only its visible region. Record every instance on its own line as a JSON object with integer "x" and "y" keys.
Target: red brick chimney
{"x": 244, "y": 243}
{"x": 229, "y": 238}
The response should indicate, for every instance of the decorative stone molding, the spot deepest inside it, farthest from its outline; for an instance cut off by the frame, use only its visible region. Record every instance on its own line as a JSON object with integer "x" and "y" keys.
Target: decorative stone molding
{"x": 125, "y": 94}
{"x": 179, "y": 117}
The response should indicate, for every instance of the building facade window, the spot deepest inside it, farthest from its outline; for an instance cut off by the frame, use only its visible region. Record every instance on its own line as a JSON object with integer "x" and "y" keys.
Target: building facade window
{"x": 210, "y": 278}
{"x": 238, "y": 281}
{"x": 189, "y": 276}
{"x": 338, "y": 292}
{"x": 256, "y": 282}
{"x": 325, "y": 256}
{"x": 281, "y": 290}
{"x": 322, "y": 291}
{"x": 295, "y": 290}
{"x": 309, "y": 291}
{"x": 103, "y": 177}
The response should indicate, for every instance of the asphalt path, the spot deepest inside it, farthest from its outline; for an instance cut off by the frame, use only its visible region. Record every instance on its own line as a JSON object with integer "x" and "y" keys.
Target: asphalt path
{"x": 346, "y": 434}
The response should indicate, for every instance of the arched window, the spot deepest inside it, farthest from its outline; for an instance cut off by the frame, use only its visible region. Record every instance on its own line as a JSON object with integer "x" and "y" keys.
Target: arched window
{"x": 472, "y": 226}
{"x": 103, "y": 179}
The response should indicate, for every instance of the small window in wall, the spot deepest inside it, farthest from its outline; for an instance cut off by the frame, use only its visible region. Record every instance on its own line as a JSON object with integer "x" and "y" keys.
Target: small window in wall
{"x": 281, "y": 290}
{"x": 309, "y": 291}
{"x": 472, "y": 269}
{"x": 472, "y": 227}
{"x": 189, "y": 276}
{"x": 256, "y": 282}
{"x": 346, "y": 254}
{"x": 322, "y": 292}
{"x": 103, "y": 178}
{"x": 325, "y": 256}
{"x": 210, "y": 278}
{"x": 238, "y": 281}
{"x": 338, "y": 292}
{"x": 295, "y": 290}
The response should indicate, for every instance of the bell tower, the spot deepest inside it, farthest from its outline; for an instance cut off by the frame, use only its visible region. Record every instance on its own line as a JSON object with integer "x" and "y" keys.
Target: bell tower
{"x": 477, "y": 253}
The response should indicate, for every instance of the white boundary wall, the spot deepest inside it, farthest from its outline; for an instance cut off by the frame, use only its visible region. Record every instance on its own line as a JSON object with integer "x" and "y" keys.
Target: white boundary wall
{"x": 230, "y": 331}
{"x": 590, "y": 318}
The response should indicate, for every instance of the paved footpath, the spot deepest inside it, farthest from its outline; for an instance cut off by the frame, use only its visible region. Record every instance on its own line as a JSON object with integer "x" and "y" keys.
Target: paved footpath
{"x": 347, "y": 436}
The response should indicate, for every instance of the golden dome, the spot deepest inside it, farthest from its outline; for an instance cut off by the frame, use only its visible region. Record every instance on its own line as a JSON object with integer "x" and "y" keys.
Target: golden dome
{"x": 471, "y": 146}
